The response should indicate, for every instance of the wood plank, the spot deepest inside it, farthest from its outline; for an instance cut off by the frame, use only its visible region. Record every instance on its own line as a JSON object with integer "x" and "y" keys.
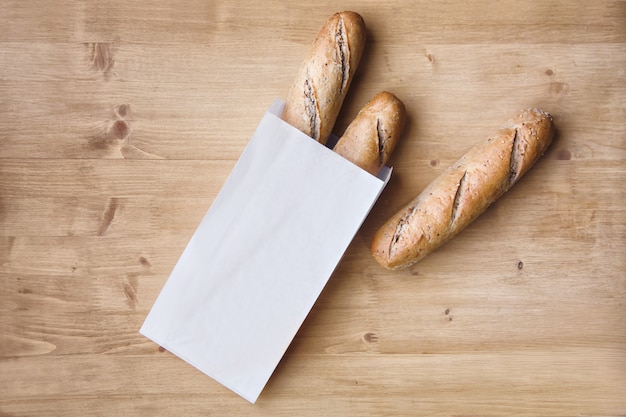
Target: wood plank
{"x": 198, "y": 22}
{"x": 92, "y": 125}
{"x": 106, "y": 216}
{"x": 511, "y": 384}
{"x": 135, "y": 206}
{"x": 58, "y": 178}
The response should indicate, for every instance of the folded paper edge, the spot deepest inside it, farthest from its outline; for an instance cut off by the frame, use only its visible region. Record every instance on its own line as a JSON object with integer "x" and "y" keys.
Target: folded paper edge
{"x": 276, "y": 109}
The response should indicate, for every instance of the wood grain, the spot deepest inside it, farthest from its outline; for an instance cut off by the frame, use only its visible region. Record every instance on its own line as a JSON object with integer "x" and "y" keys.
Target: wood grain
{"x": 120, "y": 121}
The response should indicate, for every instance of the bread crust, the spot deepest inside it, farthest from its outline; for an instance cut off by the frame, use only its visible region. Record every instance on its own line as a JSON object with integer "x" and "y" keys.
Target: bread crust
{"x": 463, "y": 191}
{"x": 372, "y": 136}
{"x": 317, "y": 94}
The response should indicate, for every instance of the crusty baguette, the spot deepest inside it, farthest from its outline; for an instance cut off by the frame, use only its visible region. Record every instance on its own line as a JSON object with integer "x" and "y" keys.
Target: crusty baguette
{"x": 315, "y": 98}
{"x": 372, "y": 136}
{"x": 463, "y": 191}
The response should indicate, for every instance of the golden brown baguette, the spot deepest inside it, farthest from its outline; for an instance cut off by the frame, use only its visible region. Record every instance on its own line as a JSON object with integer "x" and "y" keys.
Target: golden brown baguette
{"x": 372, "y": 136}
{"x": 463, "y": 191}
{"x": 315, "y": 98}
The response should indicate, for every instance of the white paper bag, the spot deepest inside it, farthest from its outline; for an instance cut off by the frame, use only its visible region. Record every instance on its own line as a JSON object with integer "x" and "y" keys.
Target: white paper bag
{"x": 261, "y": 256}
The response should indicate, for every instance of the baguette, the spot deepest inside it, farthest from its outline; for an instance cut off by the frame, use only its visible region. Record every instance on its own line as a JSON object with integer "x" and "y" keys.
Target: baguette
{"x": 372, "y": 136}
{"x": 463, "y": 191}
{"x": 315, "y": 98}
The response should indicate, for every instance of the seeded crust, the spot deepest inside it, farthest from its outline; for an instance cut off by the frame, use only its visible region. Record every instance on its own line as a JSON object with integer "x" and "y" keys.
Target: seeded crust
{"x": 463, "y": 191}
{"x": 315, "y": 98}
{"x": 372, "y": 136}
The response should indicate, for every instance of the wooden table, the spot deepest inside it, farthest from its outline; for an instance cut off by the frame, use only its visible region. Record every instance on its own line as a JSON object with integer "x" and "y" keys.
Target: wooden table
{"x": 119, "y": 122}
